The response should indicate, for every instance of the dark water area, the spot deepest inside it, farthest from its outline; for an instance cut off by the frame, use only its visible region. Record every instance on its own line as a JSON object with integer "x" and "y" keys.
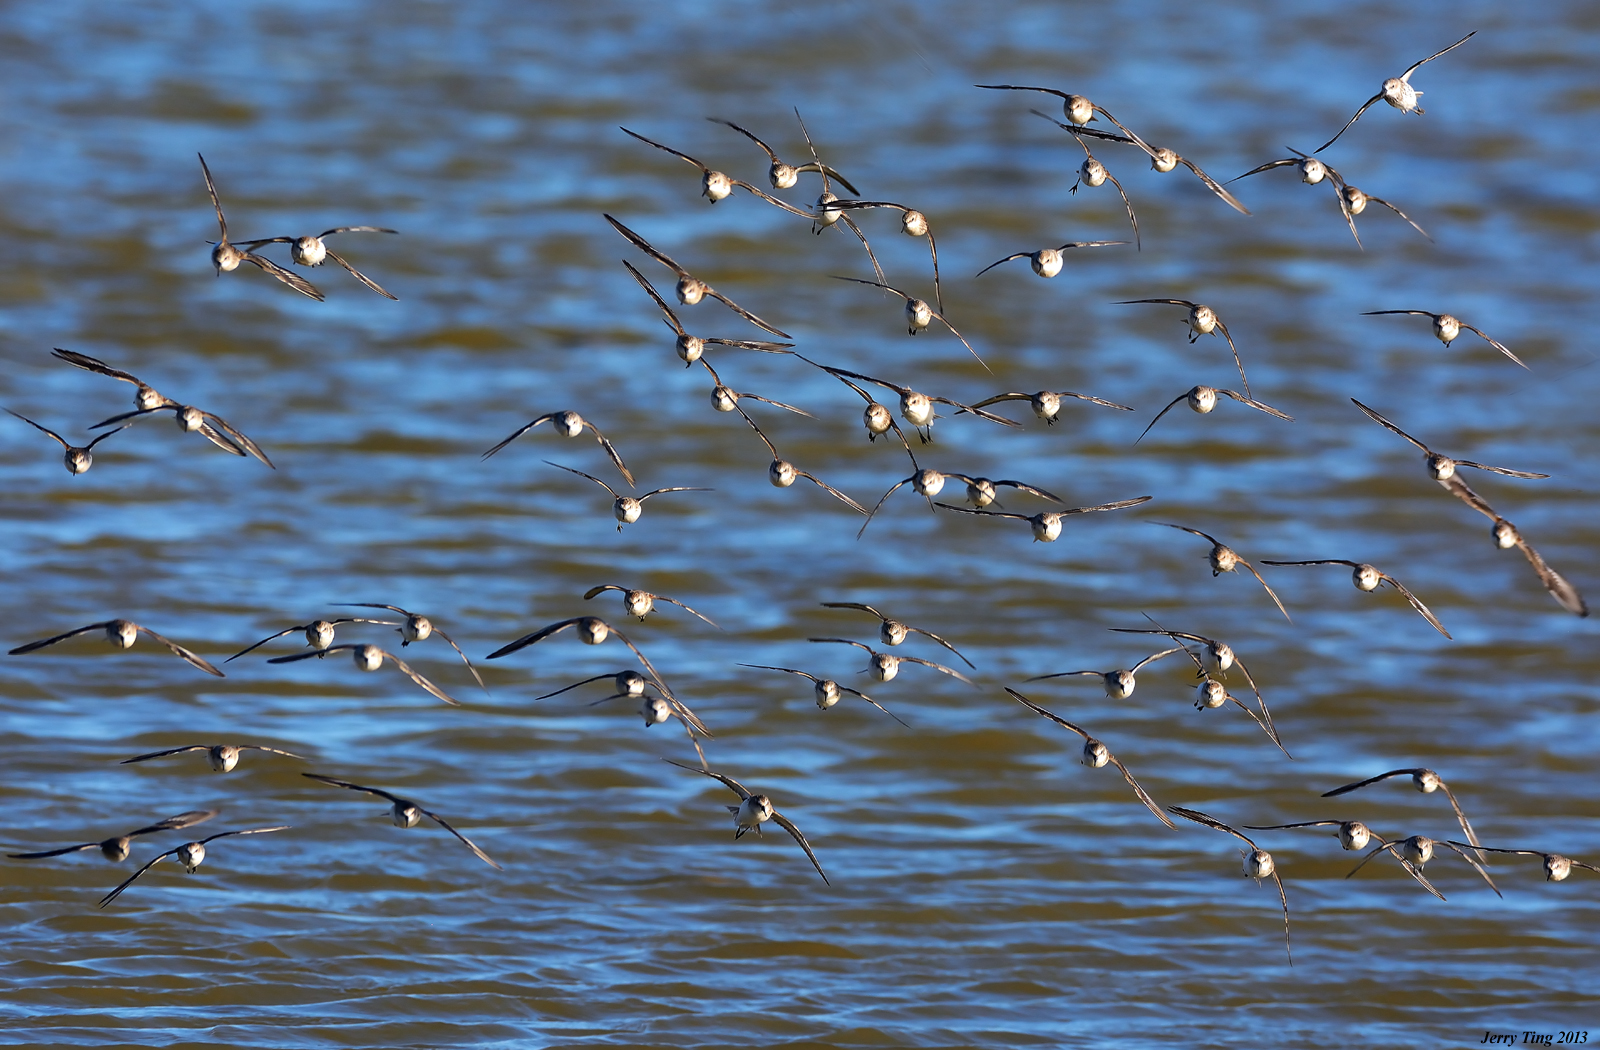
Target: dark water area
{"x": 985, "y": 889}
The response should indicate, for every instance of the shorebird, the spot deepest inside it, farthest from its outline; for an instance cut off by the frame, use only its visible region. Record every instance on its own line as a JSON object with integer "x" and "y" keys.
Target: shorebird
{"x": 1442, "y": 468}
{"x": 1077, "y": 109}
{"x": 726, "y": 399}
{"x": 917, "y": 408}
{"x": 783, "y": 474}
{"x": 1356, "y": 201}
{"x": 754, "y": 810}
{"x": 1046, "y": 404}
{"x": 1556, "y": 867}
{"x": 1162, "y": 159}
{"x": 919, "y": 314}
{"x": 892, "y": 631}
{"x": 1258, "y": 863}
{"x": 1119, "y": 685}
{"x": 145, "y": 395}
{"x": 370, "y": 658}
{"x": 116, "y": 849}
{"x": 1096, "y": 755}
{"x": 785, "y": 176}
{"x": 642, "y": 603}
{"x": 1506, "y": 536}
{"x": 690, "y": 289}
{"x": 1203, "y": 399}
{"x": 1222, "y": 658}
{"x": 629, "y": 685}
{"x": 417, "y": 628}
{"x": 1202, "y": 320}
{"x": 77, "y": 460}
{"x": 1224, "y": 559}
{"x": 1313, "y": 171}
{"x": 913, "y": 223}
{"x": 883, "y": 666}
{"x": 122, "y": 634}
{"x": 191, "y": 855}
{"x": 714, "y": 185}
{"x": 225, "y": 256}
{"x": 1211, "y": 694}
{"x": 1417, "y": 850}
{"x": 876, "y": 417}
{"x": 592, "y": 630}
{"x": 408, "y": 814}
{"x": 319, "y": 634}
{"x": 569, "y": 424}
{"x": 1047, "y": 262}
{"x": 191, "y": 419}
{"x": 223, "y": 757}
{"x": 627, "y": 509}
{"x": 924, "y": 482}
{"x": 1397, "y": 91}
{"x": 1425, "y": 781}
{"x": 1046, "y": 525}
{"x": 828, "y": 692}
{"x": 1354, "y": 835}
{"x": 1368, "y": 578}
{"x": 1447, "y": 328}
{"x": 310, "y": 251}
{"x": 824, "y": 213}
{"x": 691, "y": 347}
{"x": 1093, "y": 173}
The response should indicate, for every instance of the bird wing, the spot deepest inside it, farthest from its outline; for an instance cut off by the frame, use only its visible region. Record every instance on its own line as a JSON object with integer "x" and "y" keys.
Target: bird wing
{"x": 661, "y": 683}
{"x": 1466, "y": 826}
{"x": 675, "y": 488}
{"x": 773, "y": 157}
{"x": 848, "y": 221}
{"x": 840, "y": 496}
{"x": 1013, "y": 255}
{"x": 1500, "y": 470}
{"x": 178, "y": 650}
{"x": 1210, "y": 822}
{"x": 591, "y": 477}
{"x": 94, "y": 364}
{"x": 1175, "y": 402}
{"x": 775, "y": 202}
{"x": 1259, "y": 406}
{"x": 575, "y": 685}
{"x": 665, "y": 149}
{"x": 1494, "y": 343}
{"x": 1416, "y": 603}
{"x": 129, "y": 881}
{"x": 47, "y": 430}
{"x": 1185, "y": 528}
{"x": 1126, "y": 203}
{"x": 1214, "y": 186}
{"x": 473, "y": 846}
{"x": 164, "y": 754}
{"x": 452, "y": 644}
{"x": 355, "y": 229}
{"x": 537, "y": 636}
{"x": 941, "y": 641}
{"x": 542, "y": 419}
{"x": 294, "y": 657}
{"x": 790, "y": 670}
{"x": 211, "y": 188}
{"x": 1013, "y": 396}
{"x": 939, "y": 667}
{"x": 1347, "y": 788}
{"x": 1135, "y": 669}
{"x": 1237, "y": 362}
{"x": 1272, "y": 593}
{"x": 237, "y": 438}
{"x": 269, "y": 750}
{"x": 1563, "y": 592}
{"x": 336, "y": 782}
{"x": 644, "y": 246}
{"x": 874, "y": 703}
{"x": 245, "y": 831}
{"x": 1406, "y": 76}
{"x": 1463, "y": 492}
{"x": 985, "y": 513}
{"x": 746, "y": 314}
{"x": 293, "y": 280}
{"x": 727, "y": 781}
{"x": 1403, "y": 215}
{"x": 1476, "y": 866}
{"x": 363, "y": 278}
{"x": 1266, "y": 167}
{"x": 788, "y": 825}
{"x": 1057, "y": 719}
{"x": 1364, "y": 107}
{"x": 672, "y": 318}
{"x": 1144, "y": 796}
{"x": 685, "y": 608}
{"x": 423, "y": 682}
{"x": 864, "y": 524}
{"x": 41, "y": 643}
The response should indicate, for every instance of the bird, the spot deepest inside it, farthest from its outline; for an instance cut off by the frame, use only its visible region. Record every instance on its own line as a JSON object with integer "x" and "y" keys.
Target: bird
{"x": 225, "y": 256}
{"x": 917, "y": 408}
{"x": 828, "y": 692}
{"x": 919, "y": 314}
{"x": 1447, "y": 327}
{"x": 310, "y": 251}
{"x": 191, "y": 419}
{"x": 1417, "y": 850}
{"x": 1507, "y": 535}
{"x": 783, "y": 474}
{"x": 1397, "y": 91}
{"x": 116, "y": 849}
{"x": 1425, "y": 781}
{"x": 1556, "y": 867}
{"x": 1222, "y": 659}
{"x": 691, "y": 347}
{"x": 1119, "y": 685}
{"x": 1368, "y": 578}
{"x": 1211, "y": 694}
{"x": 417, "y": 628}
{"x": 1162, "y": 159}
{"x": 145, "y": 396}
{"x": 690, "y": 289}
{"x": 1203, "y": 399}
{"x": 191, "y": 855}
{"x": 1356, "y": 201}
{"x": 875, "y": 417}
{"x": 370, "y": 658}
{"x": 642, "y": 603}
{"x": 222, "y": 757}
{"x": 1224, "y": 559}
{"x": 924, "y": 481}
{"x": 122, "y": 634}
{"x": 1092, "y": 173}
{"x": 1078, "y": 109}
{"x": 824, "y": 214}
{"x": 714, "y": 185}
{"x": 913, "y": 223}
{"x": 1442, "y": 468}
{"x": 1047, "y": 262}
{"x": 1258, "y": 863}
{"x": 1046, "y": 404}
{"x": 893, "y": 632}
{"x": 629, "y": 685}
{"x": 754, "y": 810}
{"x": 319, "y": 634}
{"x": 1354, "y": 835}
{"x": 569, "y": 424}
{"x": 1312, "y": 172}
{"x": 407, "y": 814}
{"x": 785, "y": 176}
{"x": 725, "y": 399}
{"x": 1046, "y": 525}
{"x": 627, "y": 509}
{"x": 1202, "y": 320}
{"x": 77, "y": 460}
{"x": 1096, "y": 754}
{"x": 592, "y": 630}
{"x": 884, "y": 666}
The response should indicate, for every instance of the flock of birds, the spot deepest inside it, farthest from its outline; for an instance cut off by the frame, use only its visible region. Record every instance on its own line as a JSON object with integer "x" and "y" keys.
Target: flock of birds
{"x": 1212, "y": 659}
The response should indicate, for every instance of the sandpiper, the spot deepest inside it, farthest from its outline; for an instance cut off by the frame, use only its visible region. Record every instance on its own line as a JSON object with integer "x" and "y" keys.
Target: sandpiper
{"x": 1417, "y": 850}
{"x": 1425, "y": 781}
{"x": 191, "y": 855}
{"x": 1556, "y": 867}
{"x": 145, "y": 396}
{"x": 785, "y": 176}
{"x": 1225, "y": 559}
{"x": 1203, "y": 399}
{"x": 319, "y": 634}
{"x": 1047, "y": 262}
{"x": 116, "y": 849}
{"x": 1446, "y": 328}
{"x": 408, "y": 814}
{"x": 1368, "y": 578}
{"x": 893, "y": 632}
{"x": 642, "y": 603}
{"x": 913, "y": 223}
{"x": 370, "y": 658}
{"x": 1222, "y": 658}
{"x": 1161, "y": 159}
{"x": 629, "y": 685}
{"x": 1397, "y": 91}
{"x": 691, "y": 289}
{"x": 1356, "y": 201}
{"x": 191, "y": 419}
{"x": 627, "y": 509}
{"x": 225, "y": 256}
{"x": 1093, "y": 173}
{"x": 825, "y": 213}
{"x": 310, "y": 251}
{"x": 1442, "y": 468}
{"x": 418, "y": 628}
{"x": 1078, "y": 110}
{"x": 122, "y": 634}
{"x": 691, "y": 347}
{"x": 884, "y": 666}
{"x": 222, "y": 757}
{"x": 1258, "y": 863}
{"x": 1046, "y": 525}
{"x": 916, "y": 408}
{"x": 754, "y": 810}
{"x": 1096, "y": 755}
{"x": 1119, "y": 685}
{"x": 919, "y": 314}
{"x": 78, "y": 460}
{"x": 783, "y": 474}
{"x": 875, "y": 417}
{"x": 1202, "y": 320}
{"x": 1046, "y": 404}
{"x": 569, "y": 424}
{"x": 828, "y": 692}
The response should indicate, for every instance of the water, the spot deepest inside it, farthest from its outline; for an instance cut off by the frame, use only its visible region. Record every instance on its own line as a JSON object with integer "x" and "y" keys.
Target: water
{"x": 987, "y": 890}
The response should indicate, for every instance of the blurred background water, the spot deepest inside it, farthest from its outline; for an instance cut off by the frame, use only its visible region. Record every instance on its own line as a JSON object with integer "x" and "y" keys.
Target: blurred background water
{"x": 986, "y": 889}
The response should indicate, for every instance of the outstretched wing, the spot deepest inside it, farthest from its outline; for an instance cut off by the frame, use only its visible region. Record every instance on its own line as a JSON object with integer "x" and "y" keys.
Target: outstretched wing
{"x": 41, "y": 643}
{"x": 473, "y": 846}
{"x": 788, "y": 825}
{"x": 178, "y": 650}
{"x": 1144, "y": 796}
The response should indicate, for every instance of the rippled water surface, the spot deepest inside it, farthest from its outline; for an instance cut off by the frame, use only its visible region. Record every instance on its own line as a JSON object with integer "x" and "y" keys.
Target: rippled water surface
{"x": 986, "y": 889}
